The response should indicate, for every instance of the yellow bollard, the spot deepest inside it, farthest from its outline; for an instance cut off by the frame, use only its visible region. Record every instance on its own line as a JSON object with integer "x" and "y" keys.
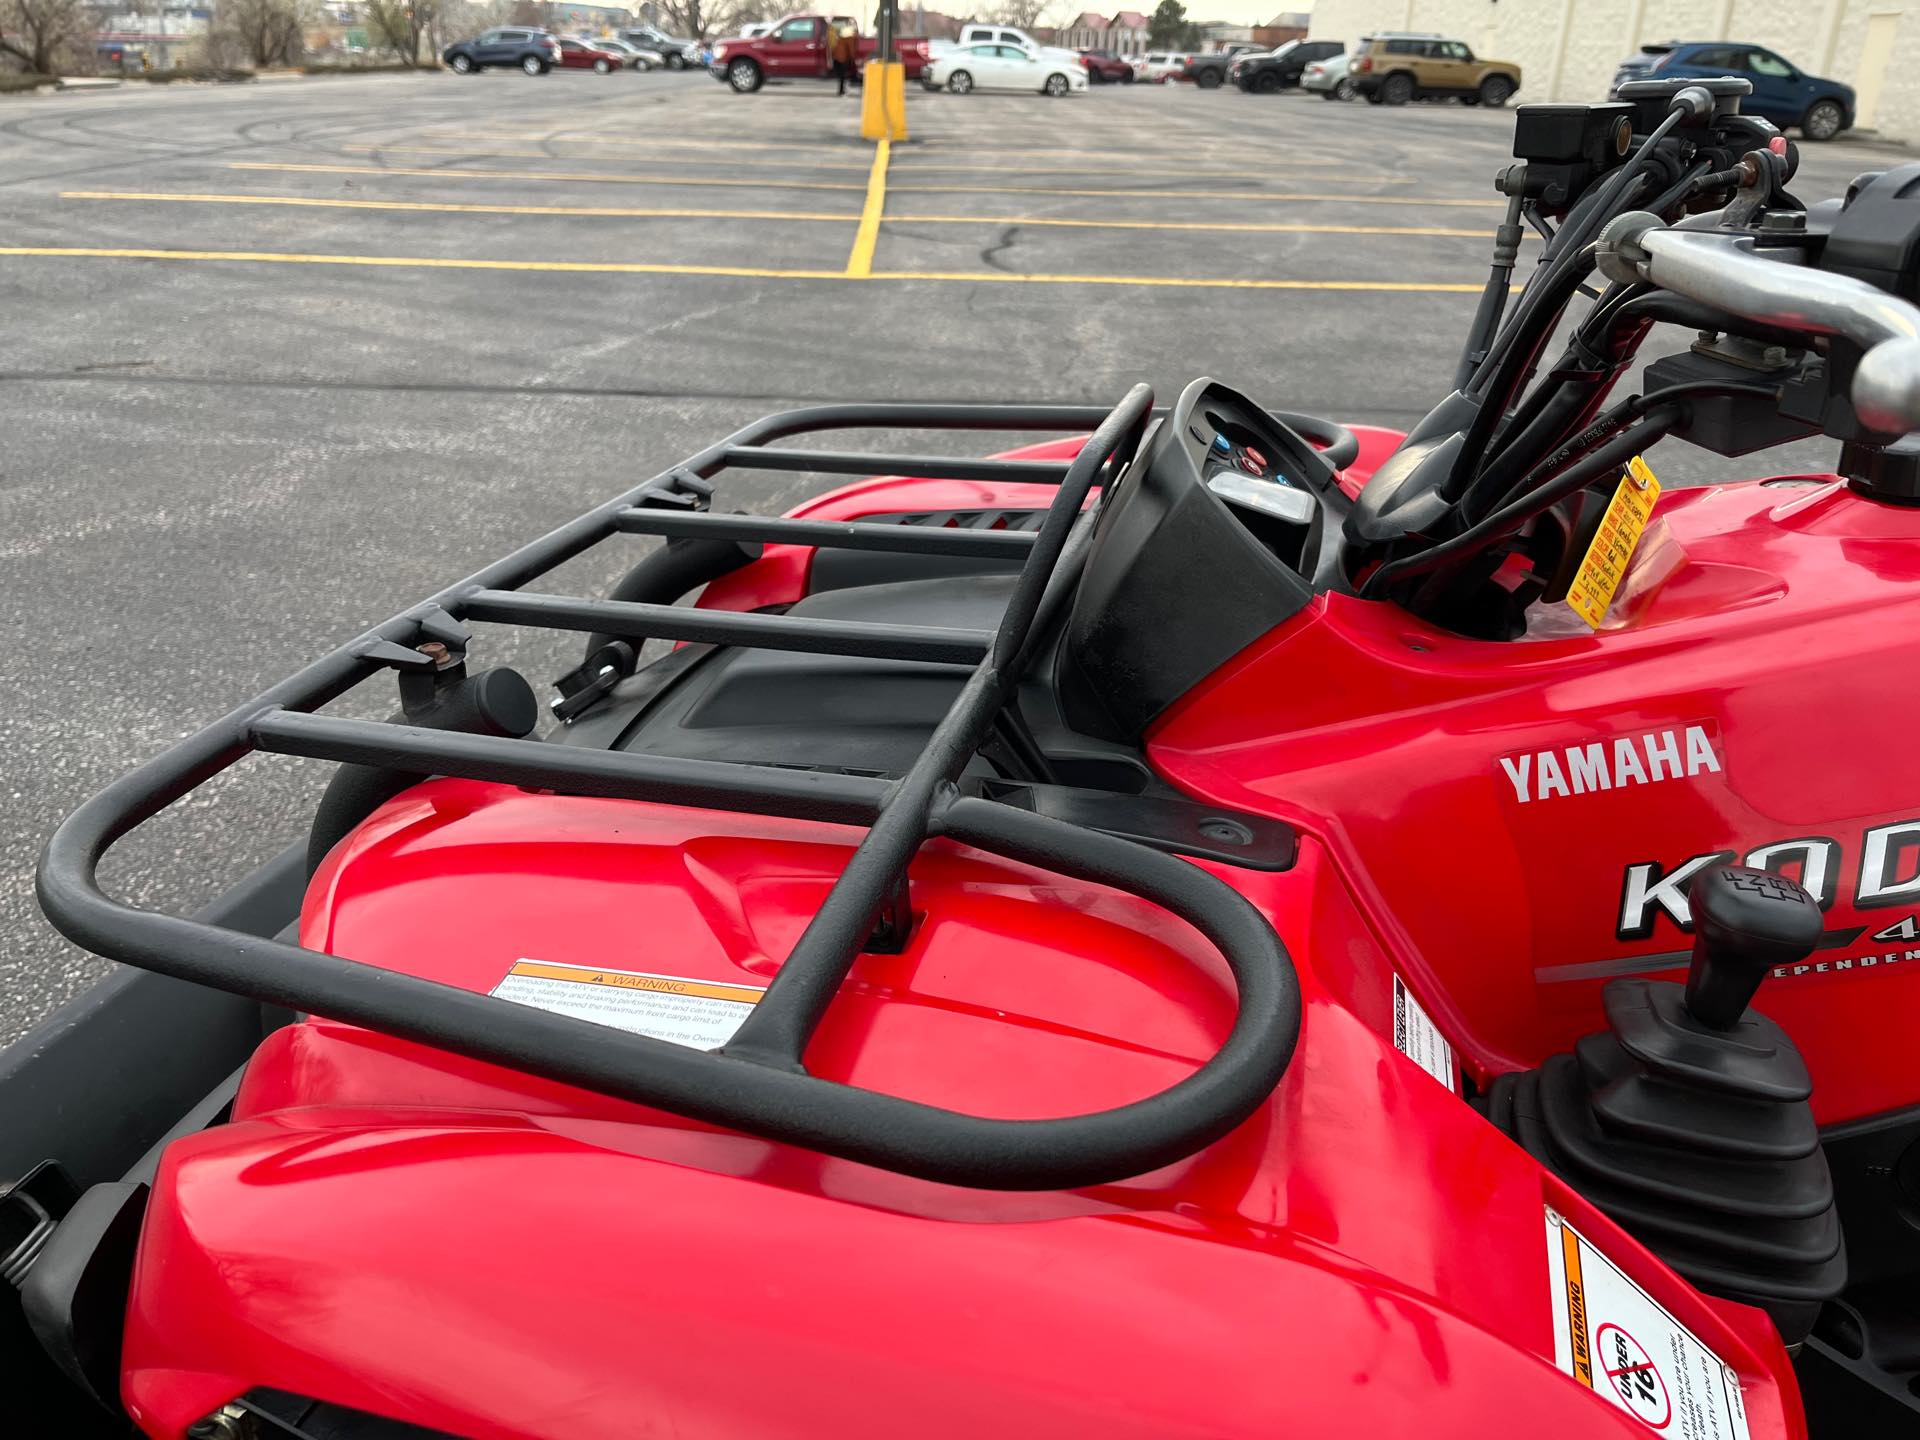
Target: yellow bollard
{"x": 883, "y": 101}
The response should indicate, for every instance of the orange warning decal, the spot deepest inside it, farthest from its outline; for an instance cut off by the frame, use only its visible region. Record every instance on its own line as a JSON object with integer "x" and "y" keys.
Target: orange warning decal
{"x": 626, "y": 980}
{"x": 1576, "y": 1308}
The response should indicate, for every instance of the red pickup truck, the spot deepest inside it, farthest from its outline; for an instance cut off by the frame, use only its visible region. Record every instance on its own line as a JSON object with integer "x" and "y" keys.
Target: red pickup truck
{"x": 798, "y": 47}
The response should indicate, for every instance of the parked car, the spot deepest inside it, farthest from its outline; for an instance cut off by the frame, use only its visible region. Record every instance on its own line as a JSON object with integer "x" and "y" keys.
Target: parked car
{"x": 1004, "y": 67}
{"x": 635, "y": 57}
{"x": 800, "y": 48}
{"x": 680, "y": 54}
{"x": 1103, "y": 66}
{"x": 1012, "y": 35}
{"x": 1209, "y": 71}
{"x": 1782, "y": 93}
{"x": 1280, "y": 69}
{"x": 1159, "y": 66}
{"x": 1393, "y": 69}
{"x": 1328, "y": 78}
{"x": 534, "y": 51}
{"x": 578, "y": 54}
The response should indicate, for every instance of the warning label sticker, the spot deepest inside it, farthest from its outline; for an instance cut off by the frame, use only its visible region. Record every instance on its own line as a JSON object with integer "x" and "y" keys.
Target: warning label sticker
{"x": 1618, "y": 1341}
{"x": 700, "y": 1014}
{"x": 1607, "y": 558}
{"x": 1419, "y": 1039}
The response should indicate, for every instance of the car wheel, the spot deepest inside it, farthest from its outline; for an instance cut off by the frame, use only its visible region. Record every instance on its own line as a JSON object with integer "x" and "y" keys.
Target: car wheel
{"x": 642, "y": 67}
{"x": 534, "y": 65}
{"x": 1056, "y": 86}
{"x": 1496, "y": 90}
{"x": 1208, "y": 79}
{"x": 1265, "y": 84}
{"x": 1824, "y": 120}
{"x": 603, "y": 67}
{"x": 461, "y": 65}
{"x": 742, "y": 75}
{"x": 960, "y": 83}
{"x": 1396, "y": 90}
{"x": 679, "y": 62}
{"x": 1128, "y": 78}
{"x": 1343, "y": 91}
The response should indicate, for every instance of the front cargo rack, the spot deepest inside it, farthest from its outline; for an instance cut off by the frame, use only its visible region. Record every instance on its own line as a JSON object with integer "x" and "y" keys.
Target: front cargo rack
{"x": 757, "y": 1082}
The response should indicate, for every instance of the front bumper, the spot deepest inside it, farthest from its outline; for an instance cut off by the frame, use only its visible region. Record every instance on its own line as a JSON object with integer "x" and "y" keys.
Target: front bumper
{"x": 718, "y": 70}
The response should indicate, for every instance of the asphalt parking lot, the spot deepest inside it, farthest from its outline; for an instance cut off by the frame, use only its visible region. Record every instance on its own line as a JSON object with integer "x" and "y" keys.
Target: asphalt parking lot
{"x": 279, "y": 358}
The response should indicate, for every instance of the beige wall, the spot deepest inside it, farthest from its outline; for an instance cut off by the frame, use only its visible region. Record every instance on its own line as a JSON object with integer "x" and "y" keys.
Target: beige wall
{"x": 1567, "y": 49}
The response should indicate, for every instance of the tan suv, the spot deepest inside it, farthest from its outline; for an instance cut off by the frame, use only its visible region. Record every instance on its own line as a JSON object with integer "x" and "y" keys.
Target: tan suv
{"x": 1393, "y": 69}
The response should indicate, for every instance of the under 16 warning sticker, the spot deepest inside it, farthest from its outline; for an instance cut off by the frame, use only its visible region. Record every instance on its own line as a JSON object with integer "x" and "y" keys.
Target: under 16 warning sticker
{"x": 1607, "y": 558}
{"x": 700, "y": 1014}
{"x": 1618, "y": 1341}
{"x": 1419, "y": 1039}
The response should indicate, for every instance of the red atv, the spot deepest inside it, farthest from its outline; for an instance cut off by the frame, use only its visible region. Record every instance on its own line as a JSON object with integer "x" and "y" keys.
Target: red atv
{"x": 1232, "y": 925}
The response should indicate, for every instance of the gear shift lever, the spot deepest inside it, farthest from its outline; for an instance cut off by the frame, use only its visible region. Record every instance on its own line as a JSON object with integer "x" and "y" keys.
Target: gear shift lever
{"x": 1745, "y": 922}
{"x": 1687, "y": 1118}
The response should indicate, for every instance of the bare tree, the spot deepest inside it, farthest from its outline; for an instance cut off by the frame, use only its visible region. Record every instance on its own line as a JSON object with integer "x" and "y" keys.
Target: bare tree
{"x": 402, "y": 24}
{"x": 698, "y": 19}
{"x": 1025, "y": 14}
{"x": 268, "y": 31}
{"x": 38, "y": 32}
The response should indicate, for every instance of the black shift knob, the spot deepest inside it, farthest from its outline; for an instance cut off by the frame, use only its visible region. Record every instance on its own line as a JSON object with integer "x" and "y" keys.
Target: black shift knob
{"x": 1744, "y": 923}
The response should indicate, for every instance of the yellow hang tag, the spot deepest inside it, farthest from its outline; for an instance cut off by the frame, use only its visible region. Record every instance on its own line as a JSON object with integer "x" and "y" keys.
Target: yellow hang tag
{"x": 1607, "y": 558}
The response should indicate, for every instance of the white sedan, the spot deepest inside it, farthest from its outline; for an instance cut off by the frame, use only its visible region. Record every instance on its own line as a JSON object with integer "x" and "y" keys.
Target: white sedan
{"x": 1004, "y": 67}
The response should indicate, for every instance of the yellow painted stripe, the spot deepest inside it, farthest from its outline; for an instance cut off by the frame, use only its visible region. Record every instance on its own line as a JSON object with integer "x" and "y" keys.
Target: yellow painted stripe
{"x": 1179, "y": 282}
{"x": 1244, "y": 227}
{"x": 427, "y": 262}
{"x": 626, "y": 212}
{"x": 860, "y": 262}
{"x": 618, "y": 212}
{"x": 609, "y": 267}
{"x": 1191, "y": 196}
{"x": 1127, "y": 158}
{"x": 693, "y": 183}
{"x": 916, "y": 165}
{"x": 472, "y": 154}
{"x": 604, "y": 179}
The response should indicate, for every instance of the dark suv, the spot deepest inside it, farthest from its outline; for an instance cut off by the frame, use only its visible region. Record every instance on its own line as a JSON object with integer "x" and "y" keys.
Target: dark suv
{"x": 1280, "y": 69}
{"x": 1782, "y": 93}
{"x": 534, "y": 51}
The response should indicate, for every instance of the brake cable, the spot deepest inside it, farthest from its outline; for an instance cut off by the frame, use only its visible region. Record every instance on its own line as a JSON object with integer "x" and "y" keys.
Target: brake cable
{"x": 1610, "y": 454}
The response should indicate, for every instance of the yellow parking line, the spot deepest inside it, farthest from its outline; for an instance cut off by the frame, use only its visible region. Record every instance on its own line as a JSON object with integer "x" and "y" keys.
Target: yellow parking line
{"x": 920, "y": 147}
{"x": 618, "y": 212}
{"x": 473, "y": 154}
{"x": 1187, "y": 172}
{"x": 1190, "y": 195}
{"x": 427, "y": 262}
{"x": 1176, "y": 282}
{"x": 613, "y": 267}
{"x": 559, "y": 175}
{"x": 860, "y": 262}
{"x": 450, "y": 173}
{"x": 1246, "y": 227}
{"x": 635, "y": 212}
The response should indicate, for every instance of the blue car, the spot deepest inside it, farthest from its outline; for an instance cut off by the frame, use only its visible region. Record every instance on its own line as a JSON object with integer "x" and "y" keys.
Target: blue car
{"x": 1781, "y": 93}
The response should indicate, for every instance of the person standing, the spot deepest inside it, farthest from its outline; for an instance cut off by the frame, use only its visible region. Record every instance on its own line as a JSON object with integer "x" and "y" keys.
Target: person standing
{"x": 846, "y": 54}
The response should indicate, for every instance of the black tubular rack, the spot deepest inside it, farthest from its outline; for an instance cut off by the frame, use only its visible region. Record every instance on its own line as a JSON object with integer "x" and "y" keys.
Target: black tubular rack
{"x": 756, "y": 1083}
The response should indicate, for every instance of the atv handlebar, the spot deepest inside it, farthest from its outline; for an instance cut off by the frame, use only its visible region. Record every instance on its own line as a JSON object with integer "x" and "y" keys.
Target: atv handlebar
{"x": 1725, "y": 271}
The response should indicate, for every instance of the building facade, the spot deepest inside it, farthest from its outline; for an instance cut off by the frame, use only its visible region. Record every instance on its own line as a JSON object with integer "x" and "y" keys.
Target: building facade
{"x": 1567, "y": 49}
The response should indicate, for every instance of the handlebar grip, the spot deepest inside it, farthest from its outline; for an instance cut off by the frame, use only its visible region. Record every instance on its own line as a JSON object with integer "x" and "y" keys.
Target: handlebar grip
{"x": 1722, "y": 269}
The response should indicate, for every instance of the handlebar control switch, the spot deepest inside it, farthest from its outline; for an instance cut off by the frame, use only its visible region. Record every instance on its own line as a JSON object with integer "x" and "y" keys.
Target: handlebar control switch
{"x": 1687, "y": 1120}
